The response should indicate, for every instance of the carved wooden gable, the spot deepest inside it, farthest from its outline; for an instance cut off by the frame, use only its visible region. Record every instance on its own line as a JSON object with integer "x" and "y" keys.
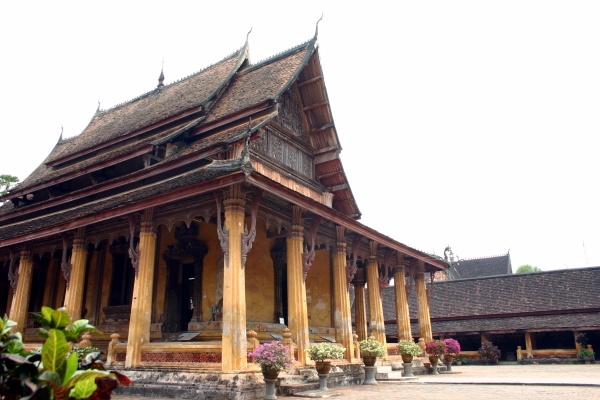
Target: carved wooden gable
{"x": 285, "y": 141}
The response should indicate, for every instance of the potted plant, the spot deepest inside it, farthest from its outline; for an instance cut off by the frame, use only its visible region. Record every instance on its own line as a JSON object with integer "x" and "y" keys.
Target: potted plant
{"x": 586, "y": 355}
{"x": 489, "y": 352}
{"x": 435, "y": 349}
{"x": 273, "y": 358}
{"x": 460, "y": 359}
{"x": 452, "y": 350}
{"x": 370, "y": 349}
{"x": 408, "y": 349}
{"x": 321, "y": 352}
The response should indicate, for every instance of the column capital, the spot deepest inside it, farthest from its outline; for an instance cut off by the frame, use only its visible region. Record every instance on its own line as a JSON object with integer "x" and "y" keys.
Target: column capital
{"x": 341, "y": 240}
{"x": 373, "y": 245}
{"x": 79, "y": 239}
{"x": 26, "y": 253}
{"x": 147, "y": 222}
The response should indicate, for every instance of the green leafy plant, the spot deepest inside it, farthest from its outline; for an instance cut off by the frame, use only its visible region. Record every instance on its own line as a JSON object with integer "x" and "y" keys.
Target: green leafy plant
{"x": 323, "y": 351}
{"x": 409, "y": 348}
{"x": 372, "y": 348}
{"x": 462, "y": 358}
{"x": 585, "y": 353}
{"x": 57, "y": 372}
{"x": 18, "y": 372}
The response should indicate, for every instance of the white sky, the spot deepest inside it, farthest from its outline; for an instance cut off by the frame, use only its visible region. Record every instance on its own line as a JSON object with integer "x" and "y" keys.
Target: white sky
{"x": 468, "y": 123}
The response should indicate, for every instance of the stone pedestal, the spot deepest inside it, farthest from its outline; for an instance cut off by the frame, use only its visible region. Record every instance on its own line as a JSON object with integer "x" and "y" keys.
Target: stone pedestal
{"x": 408, "y": 372}
{"x": 370, "y": 376}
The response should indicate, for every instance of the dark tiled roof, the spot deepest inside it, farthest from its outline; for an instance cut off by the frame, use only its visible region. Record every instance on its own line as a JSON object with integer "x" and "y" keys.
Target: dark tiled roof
{"x": 156, "y": 105}
{"x": 556, "y": 321}
{"x": 259, "y": 84}
{"x": 111, "y": 203}
{"x": 47, "y": 174}
{"x": 534, "y": 293}
{"x": 478, "y": 267}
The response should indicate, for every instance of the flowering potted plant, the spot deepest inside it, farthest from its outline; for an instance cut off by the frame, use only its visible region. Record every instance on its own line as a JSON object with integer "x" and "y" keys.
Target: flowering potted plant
{"x": 408, "y": 349}
{"x": 489, "y": 352}
{"x": 273, "y": 358}
{"x": 435, "y": 349}
{"x": 586, "y": 355}
{"x": 370, "y": 349}
{"x": 452, "y": 350}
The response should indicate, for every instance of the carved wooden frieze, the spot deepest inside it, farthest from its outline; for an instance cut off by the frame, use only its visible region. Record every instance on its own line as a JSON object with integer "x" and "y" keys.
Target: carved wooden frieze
{"x": 290, "y": 114}
{"x": 276, "y": 147}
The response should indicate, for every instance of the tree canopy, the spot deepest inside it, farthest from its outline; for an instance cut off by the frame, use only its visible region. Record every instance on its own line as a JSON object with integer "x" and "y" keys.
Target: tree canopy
{"x": 5, "y": 182}
{"x": 523, "y": 269}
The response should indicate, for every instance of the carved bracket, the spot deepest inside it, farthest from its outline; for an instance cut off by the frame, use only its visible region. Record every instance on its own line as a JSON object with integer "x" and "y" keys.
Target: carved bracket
{"x": 384, "y": 271}
{"x": 222, "y": 233}
{"x": 13, "y": 276}
{"x": 65, "y": 265}
{"x": 249, "y": 237}
{"x": 134, "y": 253}
{"x": 308, "y": 256}
{"x": 351, "y": 267}
{"x": 411, "y": 273}
{"x": 430, "y": 288}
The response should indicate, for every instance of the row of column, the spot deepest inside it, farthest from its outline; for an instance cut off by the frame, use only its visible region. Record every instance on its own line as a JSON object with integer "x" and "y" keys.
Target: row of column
{"x": 377, "y": 322}
{"x": 234, "y": 341}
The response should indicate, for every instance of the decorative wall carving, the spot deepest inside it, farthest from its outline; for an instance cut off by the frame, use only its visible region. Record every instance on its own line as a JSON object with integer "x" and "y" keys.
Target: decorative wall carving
{"x": 274, "y": 146}
{"x": 308, "y": 255}
{"x": 222, "y": 232}
{"x": 290, "y": 114}
{"x": 65, "y": 264}
{"x": 248, "y": 237}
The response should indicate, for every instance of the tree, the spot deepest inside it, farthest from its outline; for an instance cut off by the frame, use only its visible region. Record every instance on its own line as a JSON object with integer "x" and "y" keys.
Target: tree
{"x": 5, "y": 181}
{"x": 526, "y": 268}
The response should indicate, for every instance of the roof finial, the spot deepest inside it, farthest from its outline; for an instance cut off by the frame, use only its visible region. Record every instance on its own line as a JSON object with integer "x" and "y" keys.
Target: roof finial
{"x": 248, "y": 35}
{"x": 317, "y": 30}
{"x": 61, "y": 132}
{"x": 161, "y": 78}
{"x": 98, "y": 109}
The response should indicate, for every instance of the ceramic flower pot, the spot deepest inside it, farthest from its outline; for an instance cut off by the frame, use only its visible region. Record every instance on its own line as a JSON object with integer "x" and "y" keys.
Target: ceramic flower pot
{"x": 270, "y": 374}
{"x": 406, "y": 358}
{"x": 369, "y": 360}
{"x": 323, "y": 367}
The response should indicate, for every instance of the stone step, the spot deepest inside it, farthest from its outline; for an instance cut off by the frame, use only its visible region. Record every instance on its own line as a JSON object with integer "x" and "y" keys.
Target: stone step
{"x": 381, "y": 369}
{"x": 389, "y": 375}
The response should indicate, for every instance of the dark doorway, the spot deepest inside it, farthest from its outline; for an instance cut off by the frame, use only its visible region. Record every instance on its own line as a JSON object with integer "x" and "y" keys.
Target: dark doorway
{"x": 186, "y": 296}
{"x": 123, "y": 277}
{"x": 507, "y": 343}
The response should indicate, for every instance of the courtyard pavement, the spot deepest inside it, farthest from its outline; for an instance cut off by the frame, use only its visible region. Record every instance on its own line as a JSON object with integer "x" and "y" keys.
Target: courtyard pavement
{"x": 513, "y": 382}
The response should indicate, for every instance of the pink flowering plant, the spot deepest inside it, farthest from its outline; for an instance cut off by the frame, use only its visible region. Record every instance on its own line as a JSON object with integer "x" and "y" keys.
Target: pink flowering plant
{"x": 436, "y": 348}
{"x": 273, "y": 357}
{"x": 452, "y": 347}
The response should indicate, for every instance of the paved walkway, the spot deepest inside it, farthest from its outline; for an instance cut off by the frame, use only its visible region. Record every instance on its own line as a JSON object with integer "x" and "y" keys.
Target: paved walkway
{"x": 514, "y": 382}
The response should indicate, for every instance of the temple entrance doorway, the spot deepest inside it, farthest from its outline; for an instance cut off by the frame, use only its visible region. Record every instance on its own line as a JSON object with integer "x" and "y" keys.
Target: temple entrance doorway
{"x": 183, "y": 302}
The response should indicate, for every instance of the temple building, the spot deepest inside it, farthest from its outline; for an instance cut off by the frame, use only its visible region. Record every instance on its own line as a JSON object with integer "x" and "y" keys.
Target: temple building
{"x": 203, "y": 217}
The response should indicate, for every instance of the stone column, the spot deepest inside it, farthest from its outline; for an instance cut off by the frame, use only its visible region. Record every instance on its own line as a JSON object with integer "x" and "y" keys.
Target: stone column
{"x": 74, "y": 295}
{"x": 375, "y": 307}
{"x": 528, "y": 344}
{"x": 234, "y": 352}
{"x": 20, "y": 302}
{"x": 141, "y": 304}
{"x": 422, "y": 303}
{"x": 297, "y": 307}
{"x": 342, "y": 312}
{"x": 360, "y": 308}
{"x": 402, "y": 312}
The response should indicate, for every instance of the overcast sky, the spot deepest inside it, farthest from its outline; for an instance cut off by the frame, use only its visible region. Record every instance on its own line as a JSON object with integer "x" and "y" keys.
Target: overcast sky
{"x": 465, "y": 123}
